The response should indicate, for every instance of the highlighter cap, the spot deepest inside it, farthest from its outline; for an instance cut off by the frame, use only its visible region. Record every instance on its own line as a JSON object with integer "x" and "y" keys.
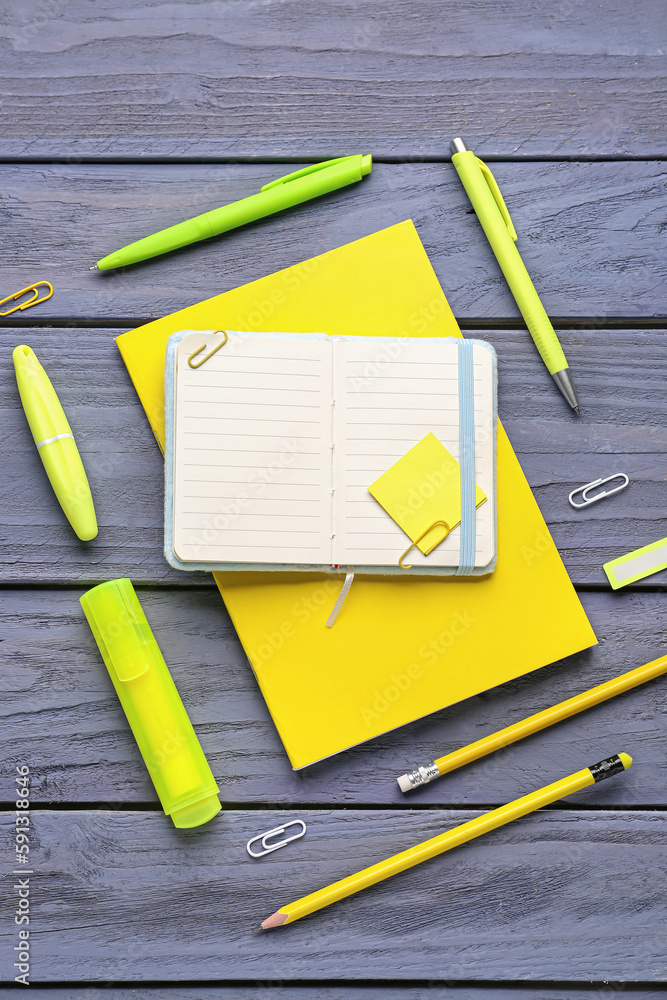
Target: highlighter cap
{"x": 168, "y": 743}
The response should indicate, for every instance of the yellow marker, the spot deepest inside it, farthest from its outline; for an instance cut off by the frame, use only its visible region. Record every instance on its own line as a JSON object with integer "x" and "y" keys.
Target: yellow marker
{"x": 55, "y": 442}
{"x": 533, "y": 724}
{"x": 445, "y": 841}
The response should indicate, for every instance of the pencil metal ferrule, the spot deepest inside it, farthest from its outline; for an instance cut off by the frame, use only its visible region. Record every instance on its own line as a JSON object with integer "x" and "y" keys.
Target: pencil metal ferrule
{"x": 422, "y": 775}
{"x": 606, "y": 768}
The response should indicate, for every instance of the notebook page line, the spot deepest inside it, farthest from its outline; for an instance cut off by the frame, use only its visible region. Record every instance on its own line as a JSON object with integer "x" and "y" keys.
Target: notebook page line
{"x": 254, "y": 492}
{"x": 373, "y": 395}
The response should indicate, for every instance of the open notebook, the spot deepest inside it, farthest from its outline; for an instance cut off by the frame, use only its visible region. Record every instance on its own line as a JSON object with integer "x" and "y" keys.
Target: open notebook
{"x": 273, "y": 443}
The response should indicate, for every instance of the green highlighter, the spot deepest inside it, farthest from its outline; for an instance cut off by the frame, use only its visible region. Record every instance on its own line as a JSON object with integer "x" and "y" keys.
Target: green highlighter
{"x": 634, "y": 566}
{"x": 173, "y": 755}
{"x": 310, "y": 182}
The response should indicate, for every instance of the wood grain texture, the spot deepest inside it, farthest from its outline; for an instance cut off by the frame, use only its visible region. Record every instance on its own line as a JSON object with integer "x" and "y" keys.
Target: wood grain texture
{"x": 620, "y": 376}
{"x": 276, "y": 991}
{"x": 59, "y": 714}
{"x": 124, "y": 894}
{"x": 592, "y": 235}
{"x": 322, "y": 77}
{"x": 574, "y": 894}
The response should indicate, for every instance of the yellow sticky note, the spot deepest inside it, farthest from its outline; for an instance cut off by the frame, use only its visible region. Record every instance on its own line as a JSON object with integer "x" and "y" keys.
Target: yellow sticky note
{"x": 422, "y": 487}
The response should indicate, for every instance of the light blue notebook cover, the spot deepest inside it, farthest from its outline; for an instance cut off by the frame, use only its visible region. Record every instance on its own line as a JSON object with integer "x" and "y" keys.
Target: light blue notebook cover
{"x": 466, "y": 565}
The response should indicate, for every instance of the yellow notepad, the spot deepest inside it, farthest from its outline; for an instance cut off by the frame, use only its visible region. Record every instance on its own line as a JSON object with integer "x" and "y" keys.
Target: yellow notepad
{"x": 400, "y": 649}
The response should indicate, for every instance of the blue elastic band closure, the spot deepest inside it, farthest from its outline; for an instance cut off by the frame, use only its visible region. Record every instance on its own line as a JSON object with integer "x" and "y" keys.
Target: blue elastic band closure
{"x": 467, "y": 458}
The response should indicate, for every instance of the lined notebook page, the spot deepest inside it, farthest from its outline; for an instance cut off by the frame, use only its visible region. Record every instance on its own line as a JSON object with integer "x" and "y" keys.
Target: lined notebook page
{"x": 388, "y": 396}
{"x": 252, "y": 451}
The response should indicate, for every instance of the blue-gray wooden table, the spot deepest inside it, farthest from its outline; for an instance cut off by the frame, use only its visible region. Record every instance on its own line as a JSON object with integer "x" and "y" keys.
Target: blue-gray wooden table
{"x": 118, "y": 119}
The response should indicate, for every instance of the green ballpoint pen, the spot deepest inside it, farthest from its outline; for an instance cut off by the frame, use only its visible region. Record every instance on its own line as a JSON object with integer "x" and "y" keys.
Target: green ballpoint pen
{"x": 55, "y": 442}
{"x": 310, "y": 182}
{"x": 492, "y": 213}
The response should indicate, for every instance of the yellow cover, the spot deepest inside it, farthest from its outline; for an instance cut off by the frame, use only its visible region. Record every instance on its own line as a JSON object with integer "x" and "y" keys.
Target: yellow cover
{"x": 399, "y": 649}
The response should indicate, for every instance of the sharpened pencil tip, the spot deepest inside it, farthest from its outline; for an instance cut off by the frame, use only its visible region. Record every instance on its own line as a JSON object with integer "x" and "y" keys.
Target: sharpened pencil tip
{"x": 276, "y": 919}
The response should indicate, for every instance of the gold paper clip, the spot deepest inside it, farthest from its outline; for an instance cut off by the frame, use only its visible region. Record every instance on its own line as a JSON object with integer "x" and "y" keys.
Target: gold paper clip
{"x": 417, "y": 540}
{"x": 31, "y": 302}
{"x": 210, "y": 353}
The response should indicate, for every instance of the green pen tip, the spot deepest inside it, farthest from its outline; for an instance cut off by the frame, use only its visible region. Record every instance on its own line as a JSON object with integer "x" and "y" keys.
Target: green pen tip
{"x": 366, "y": 165}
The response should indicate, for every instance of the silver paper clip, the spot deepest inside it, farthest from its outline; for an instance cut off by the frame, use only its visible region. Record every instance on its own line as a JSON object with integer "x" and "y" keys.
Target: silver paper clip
{"x": 268, "y": 848}
{"x": 598, "y": 482}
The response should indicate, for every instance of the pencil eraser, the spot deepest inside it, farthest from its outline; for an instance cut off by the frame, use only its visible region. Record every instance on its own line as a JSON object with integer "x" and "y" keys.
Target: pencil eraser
{"x": 404, "y": 783}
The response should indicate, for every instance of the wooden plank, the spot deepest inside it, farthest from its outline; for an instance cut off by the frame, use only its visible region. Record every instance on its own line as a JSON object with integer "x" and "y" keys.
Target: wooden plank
{"x": 620, "y": 376}
{"x": 60, "y": 715}
{"x": 213, "y": 79}
{"x": 590, "y": 234}
{"x": 297, "y": 991}
{"x": 536, "y": 900}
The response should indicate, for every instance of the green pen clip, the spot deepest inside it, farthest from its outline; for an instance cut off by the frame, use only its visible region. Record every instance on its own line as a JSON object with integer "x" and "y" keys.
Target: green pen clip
{"x": 365, "y": 163}
{"x": 497, "y": 197}
{"x": 173, "y": 755}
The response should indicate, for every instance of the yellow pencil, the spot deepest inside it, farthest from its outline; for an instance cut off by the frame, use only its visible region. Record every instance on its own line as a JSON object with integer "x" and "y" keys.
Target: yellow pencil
{"x": 429, "y": 772}
{"x": 445, "y": 841}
